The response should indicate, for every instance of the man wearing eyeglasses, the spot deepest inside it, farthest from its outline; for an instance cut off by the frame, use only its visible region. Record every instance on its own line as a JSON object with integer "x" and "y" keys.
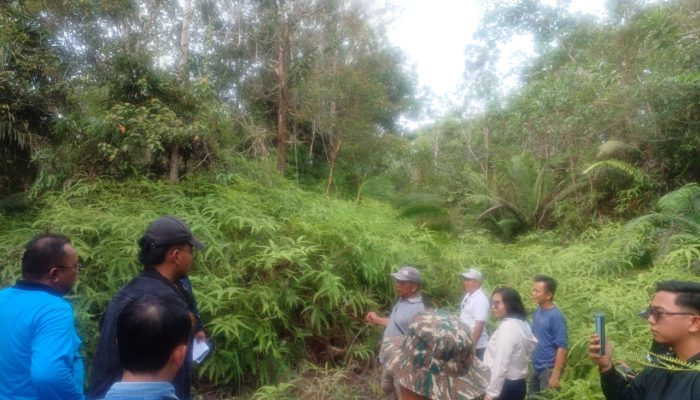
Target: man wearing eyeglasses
{"x": 39, "y": 355}
{"x": 166, "y": 252}
{"x": 674, "y": 320}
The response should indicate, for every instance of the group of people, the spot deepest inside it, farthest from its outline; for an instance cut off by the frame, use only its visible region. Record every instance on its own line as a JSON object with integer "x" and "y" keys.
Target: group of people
{"x": 149, "y": 327}
{"x": 146, "y": 332}
{"x": 436, "y": 355}
{"x": 506, "y": 354}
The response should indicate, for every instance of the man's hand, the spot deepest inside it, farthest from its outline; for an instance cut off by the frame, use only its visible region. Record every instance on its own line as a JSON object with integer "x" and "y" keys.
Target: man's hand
{"x": 604, "y": 362}
{"x": 371, "y": 317}
{"x": 553, "y": 382}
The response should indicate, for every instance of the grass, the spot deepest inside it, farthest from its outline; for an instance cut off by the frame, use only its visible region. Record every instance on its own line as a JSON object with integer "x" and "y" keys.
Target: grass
{"x": 288, "y": 276}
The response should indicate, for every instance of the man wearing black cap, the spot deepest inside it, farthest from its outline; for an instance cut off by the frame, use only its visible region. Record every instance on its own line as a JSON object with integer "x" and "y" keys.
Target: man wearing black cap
{"x": 166, "y": 252}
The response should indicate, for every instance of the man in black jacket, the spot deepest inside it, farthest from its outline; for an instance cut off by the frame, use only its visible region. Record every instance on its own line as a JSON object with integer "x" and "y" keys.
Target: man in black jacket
{"x": 674, "y": 320}
{"x": 166, "y": 252}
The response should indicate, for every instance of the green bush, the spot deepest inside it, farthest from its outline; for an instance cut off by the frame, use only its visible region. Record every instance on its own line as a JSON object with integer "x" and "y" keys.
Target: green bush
{"x": 288, "y": 275}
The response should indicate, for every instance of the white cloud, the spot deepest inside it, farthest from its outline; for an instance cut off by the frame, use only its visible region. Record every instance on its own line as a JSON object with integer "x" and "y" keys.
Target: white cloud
{"x": 435, "y": 33}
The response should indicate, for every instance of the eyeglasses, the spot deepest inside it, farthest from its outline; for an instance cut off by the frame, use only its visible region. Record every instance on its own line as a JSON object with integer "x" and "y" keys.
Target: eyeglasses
{"x": 189, "y": 250}
{"x": 77, "y": 267}
{"x": 656, "y": 314}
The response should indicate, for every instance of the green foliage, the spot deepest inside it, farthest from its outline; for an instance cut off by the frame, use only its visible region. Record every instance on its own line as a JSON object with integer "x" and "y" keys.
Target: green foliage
{"x": 427, "y": 210}
{"x": 287, "y": 275}
{"x": 631, "y": 188}
{"x": 629, "y": 82}
{"x": 31, "y": 93}
{"x": 517, "y": 197}
{"x": 672, "y": 232}
{"x": 137, "y": 134}
{"x": 316, "y": 383}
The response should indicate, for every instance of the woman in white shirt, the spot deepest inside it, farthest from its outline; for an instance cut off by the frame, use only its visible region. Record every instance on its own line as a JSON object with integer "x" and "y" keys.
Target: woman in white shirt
{"x": 509, "y": 350}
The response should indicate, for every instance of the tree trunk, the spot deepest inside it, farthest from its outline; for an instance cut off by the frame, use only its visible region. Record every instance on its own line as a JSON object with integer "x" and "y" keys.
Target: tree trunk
{"x": 334, "y": 134}
{"x": 126, "y": 35}
{"x": 313, "y": 139}
{"x": 334, "y": 156}
{"x": 487, "y": 161}
{"x": 153, "y": 7}
{"x": 283, "y": 56}
{"x": 436, "y": 147}
{"x": 183, "y": 77}
{"x": 182, "y": 70}
{"x": 174, "y": 162}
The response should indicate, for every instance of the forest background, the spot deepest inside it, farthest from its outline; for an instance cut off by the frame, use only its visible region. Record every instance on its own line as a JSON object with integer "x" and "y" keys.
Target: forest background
{"x": 273, "y": 128}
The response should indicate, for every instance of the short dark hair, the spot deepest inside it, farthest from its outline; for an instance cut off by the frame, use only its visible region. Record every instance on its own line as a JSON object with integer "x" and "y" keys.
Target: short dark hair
{"x": 152, "y": 254}
{"x": 512, "y": 302}
{"x": 550, "y": 284}
{"x": 149, "y": 328}
{"x": 687, "y": 293}
{"x": 43, "y": 252}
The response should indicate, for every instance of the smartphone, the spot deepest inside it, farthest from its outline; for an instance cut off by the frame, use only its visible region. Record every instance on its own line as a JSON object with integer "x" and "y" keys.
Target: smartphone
{"x": 600, "y": 330}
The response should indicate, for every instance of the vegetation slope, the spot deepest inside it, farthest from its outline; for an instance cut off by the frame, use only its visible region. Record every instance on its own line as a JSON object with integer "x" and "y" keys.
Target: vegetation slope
{"x": 288, "y": 275}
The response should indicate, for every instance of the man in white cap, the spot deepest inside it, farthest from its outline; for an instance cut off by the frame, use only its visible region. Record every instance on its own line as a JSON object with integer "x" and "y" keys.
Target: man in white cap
{"x": 410, "y": 303}
{"x": 474, "y": 310}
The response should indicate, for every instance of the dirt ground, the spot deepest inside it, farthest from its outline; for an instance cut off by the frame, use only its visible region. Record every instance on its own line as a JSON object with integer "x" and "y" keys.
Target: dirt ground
{"x": 356, "y": 382}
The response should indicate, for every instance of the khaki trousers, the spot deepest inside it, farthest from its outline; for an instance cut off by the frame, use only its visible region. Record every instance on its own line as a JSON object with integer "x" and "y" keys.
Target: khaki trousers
{"x": 391, "y": 389}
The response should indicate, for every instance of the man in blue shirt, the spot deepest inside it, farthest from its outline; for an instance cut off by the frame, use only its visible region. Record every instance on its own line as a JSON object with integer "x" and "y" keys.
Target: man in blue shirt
{"x": 152, "y": 336}
{"x": 407, "y": 286}
{"x": 39, "y": 355}
{"x": 549, "y": 327}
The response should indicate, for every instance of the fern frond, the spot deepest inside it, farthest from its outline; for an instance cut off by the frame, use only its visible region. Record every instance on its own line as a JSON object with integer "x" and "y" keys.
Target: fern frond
{"x": 639, "y": 177}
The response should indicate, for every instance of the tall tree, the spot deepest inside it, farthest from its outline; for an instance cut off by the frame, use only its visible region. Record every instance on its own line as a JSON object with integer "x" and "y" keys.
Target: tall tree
{"x": 283, "y": 25}
{"x": 183, "y": 74}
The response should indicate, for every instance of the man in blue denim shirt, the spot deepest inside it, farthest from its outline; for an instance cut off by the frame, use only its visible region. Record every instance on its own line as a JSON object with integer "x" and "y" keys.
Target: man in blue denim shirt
{"x": 152, "y": 336}
{"x": 549, "y": 327}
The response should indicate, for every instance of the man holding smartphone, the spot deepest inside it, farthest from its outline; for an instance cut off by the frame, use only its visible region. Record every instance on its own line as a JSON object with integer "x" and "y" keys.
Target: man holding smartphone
{"x": 674, "y": 320}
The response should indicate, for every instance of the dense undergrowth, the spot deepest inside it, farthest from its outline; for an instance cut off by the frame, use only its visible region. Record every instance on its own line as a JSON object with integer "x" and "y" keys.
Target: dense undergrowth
{"x": 288, "y": 275}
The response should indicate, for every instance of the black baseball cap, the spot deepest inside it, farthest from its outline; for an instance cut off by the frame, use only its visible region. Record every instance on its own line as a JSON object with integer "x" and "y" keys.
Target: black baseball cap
{"x": 170, "y": 230}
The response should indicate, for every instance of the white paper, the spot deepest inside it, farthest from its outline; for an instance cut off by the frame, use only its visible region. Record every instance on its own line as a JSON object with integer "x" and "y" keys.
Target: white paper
{"x": 200, "y": 349}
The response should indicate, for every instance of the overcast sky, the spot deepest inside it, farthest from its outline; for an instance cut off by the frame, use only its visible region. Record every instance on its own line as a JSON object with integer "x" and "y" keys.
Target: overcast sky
{"x": 435, "y": 33}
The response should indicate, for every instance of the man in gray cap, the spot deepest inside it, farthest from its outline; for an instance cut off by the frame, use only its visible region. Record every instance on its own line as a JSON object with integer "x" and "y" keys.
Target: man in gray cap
{"x": 167, "y": 250}
{"x": 410, "y": 303}
{"x": 474, "y": 310}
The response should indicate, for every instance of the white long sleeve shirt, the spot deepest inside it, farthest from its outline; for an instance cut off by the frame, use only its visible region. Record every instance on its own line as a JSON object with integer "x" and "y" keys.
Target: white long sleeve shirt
{"x": 508, "y": 353}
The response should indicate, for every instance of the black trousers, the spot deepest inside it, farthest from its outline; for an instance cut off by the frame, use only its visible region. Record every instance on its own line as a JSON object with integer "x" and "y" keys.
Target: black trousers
{"x": 513, "y": 390}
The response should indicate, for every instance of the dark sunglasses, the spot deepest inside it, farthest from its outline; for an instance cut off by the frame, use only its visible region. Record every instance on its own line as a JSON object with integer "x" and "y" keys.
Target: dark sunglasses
{"x": 656, "y": 314}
